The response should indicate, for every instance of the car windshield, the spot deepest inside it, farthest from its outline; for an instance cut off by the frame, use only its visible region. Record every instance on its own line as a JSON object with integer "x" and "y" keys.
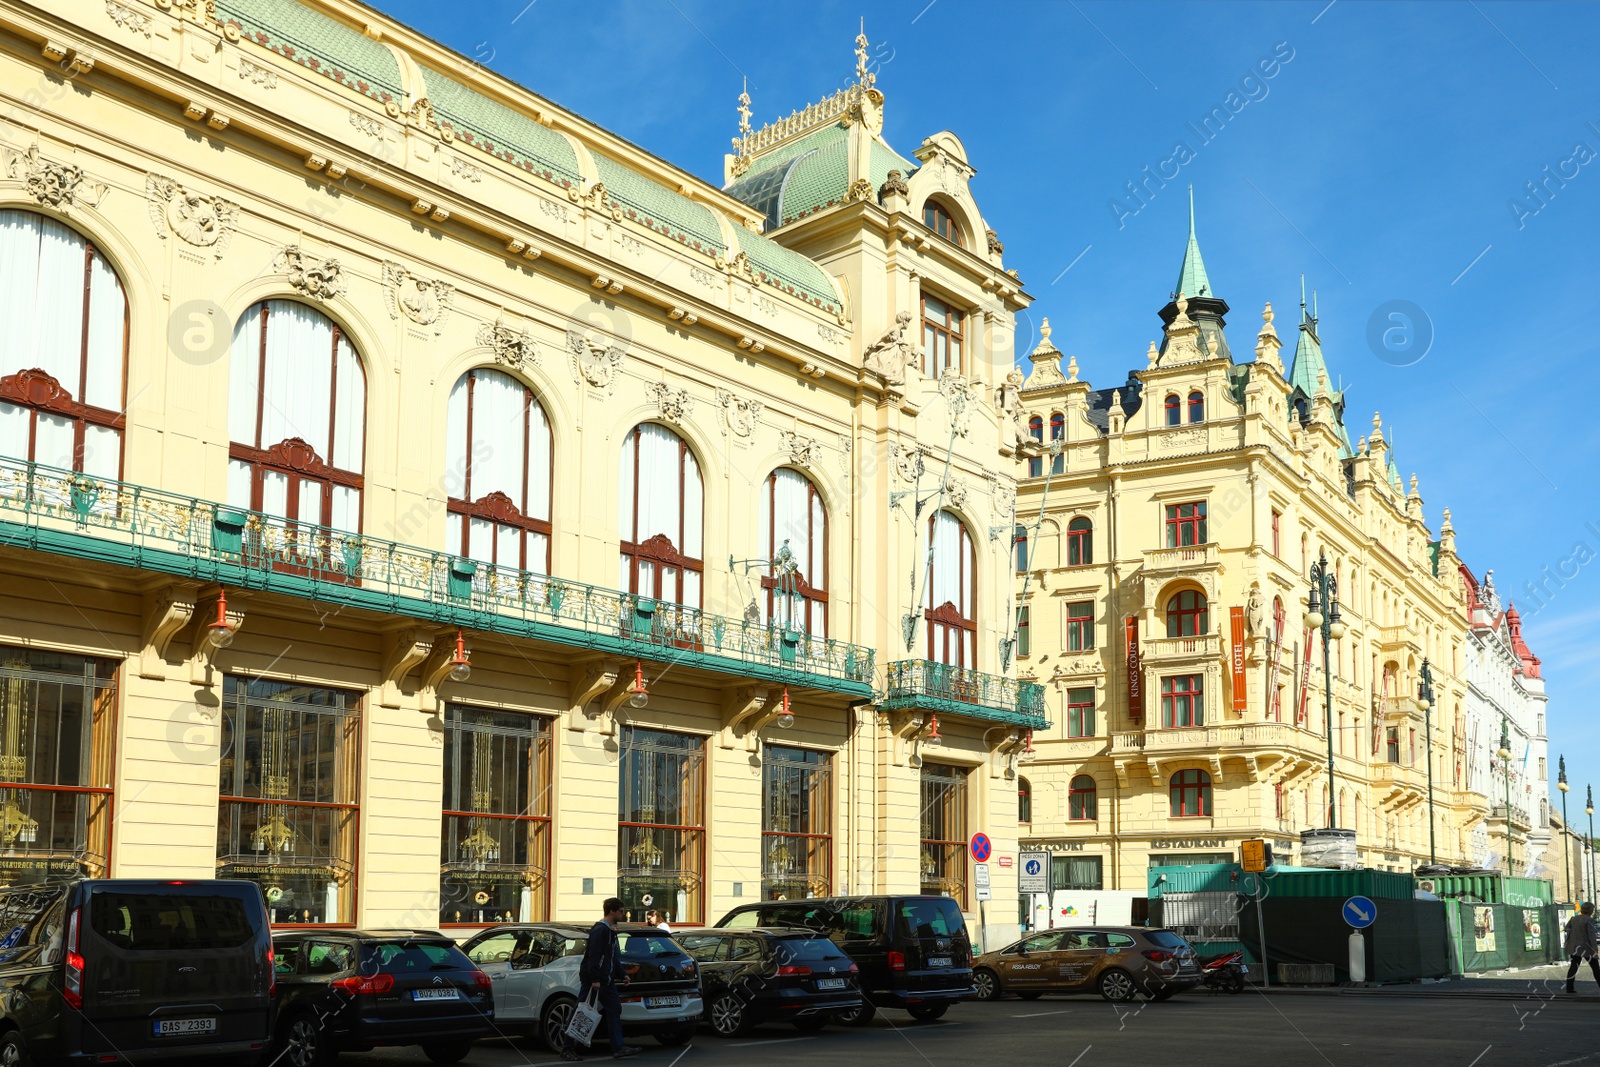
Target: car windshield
{"x": 646, "y": 946}
{"x": 931, "y": 918}
{"x": 177, "y": 921}
{"x": 808, "y": 949}
{"x": 402, "y": 957}
{"x": 1166, "y": 939}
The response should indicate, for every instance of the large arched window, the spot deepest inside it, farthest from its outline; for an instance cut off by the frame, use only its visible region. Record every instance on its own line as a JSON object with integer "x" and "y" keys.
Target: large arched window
{"x": 1080, "y": 542}
{"x": 297, "y": 408}
{"x": 1082, "y": 798}
{"x": 66, "y": 323}
{"x": 796, "y": 587}
{"x": 1188, "y": 614}
{"x": 1174, "y": 409}
{"x": 497, "y": 472}
{"x": 1190, "y": 794}
{"x": 950, "y": 605}
{"x": 1197, "y": 406}
{"x": 1036, "y": 431}
{"x": 938, "y": 219}
{"x": 660, "y": 502}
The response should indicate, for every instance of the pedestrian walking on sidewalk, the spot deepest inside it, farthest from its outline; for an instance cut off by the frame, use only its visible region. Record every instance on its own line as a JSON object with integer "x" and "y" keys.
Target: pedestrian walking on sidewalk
{"x": 600, "y": 972}
{"x": 1581, "y": 945}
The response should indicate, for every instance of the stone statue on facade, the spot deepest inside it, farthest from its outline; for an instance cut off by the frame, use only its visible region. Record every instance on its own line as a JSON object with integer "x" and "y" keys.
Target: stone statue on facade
{"x": 1255, "y": 612}
{"x": 888, "y": 355}
{"x": 1008, "y": 398}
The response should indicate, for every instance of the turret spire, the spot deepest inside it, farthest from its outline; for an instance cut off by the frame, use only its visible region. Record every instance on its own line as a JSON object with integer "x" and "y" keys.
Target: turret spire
{"x": 1205, "y": 307}
{"x": 1192, "y": 280}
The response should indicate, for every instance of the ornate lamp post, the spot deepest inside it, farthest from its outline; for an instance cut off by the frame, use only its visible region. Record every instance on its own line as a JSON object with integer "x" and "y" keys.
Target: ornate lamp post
{"x": 1425, "y": 705}
{"x": 1589, "y": 810}
{"x": 1505, "y": 766}
{"x": 1325, "y": 590}
{"x": 1566, "y": 827}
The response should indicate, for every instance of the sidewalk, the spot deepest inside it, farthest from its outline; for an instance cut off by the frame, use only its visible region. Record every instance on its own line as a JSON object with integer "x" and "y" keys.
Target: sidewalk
{"x": 1527, "y": 984}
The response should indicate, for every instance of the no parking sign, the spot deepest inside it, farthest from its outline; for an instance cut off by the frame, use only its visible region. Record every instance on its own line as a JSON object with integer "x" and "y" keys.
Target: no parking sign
{"x": 981, "y": 847}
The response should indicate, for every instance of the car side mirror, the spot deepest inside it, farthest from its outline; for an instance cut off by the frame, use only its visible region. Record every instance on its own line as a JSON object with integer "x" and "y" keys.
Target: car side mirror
{"x": 1022, "y": 950}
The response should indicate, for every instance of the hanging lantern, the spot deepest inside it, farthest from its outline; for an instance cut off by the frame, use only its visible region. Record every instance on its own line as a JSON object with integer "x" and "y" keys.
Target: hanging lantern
{"x": 220, "y": 631}
{"x": 933, "y": 740}
{"x": 638, "y": 695}
{"x": 460, "y": 667}
{"x": 1027, "y": 754}
{"x": 785, "y": 716}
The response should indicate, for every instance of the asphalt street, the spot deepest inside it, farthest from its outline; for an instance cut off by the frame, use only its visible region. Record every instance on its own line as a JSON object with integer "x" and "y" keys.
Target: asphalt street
{"x": 1202, "y": 1028}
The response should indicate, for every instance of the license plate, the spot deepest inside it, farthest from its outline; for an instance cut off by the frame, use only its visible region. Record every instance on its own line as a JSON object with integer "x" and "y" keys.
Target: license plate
{"x": 436, "y": 994}
{"x": 179, "y": 1027}
{"x": 830, "y": 983}
{"x": 939, "y": 961}
{"x": 663, "y": 1002}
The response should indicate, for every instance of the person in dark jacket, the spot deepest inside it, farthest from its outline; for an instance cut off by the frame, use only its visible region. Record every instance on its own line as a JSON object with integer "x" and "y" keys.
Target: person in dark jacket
{"x": 601, "y": 971}
{"x": 1581, "y": 944}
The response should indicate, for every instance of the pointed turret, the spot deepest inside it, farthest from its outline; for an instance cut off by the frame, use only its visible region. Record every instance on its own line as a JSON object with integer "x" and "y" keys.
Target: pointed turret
{"x": 1310, "y": 371}
{"x": 1192, "y": 280}
{"x": 1205, "y": 307}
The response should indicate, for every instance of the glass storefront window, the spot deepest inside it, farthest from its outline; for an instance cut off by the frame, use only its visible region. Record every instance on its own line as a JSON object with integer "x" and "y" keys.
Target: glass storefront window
{"x": 944, "y": 831}
{"x": 494, "y": 861}
{"x": 661, "y": 825}
{"x": 1077, "y": 872}
{"x": 288, "y": 814}
{"x": 796, "y": 823}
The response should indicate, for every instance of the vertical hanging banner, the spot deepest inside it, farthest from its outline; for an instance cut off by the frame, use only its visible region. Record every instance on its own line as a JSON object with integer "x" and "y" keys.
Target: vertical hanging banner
{"x": 1236, "y": 620}
{"x": 1135, "y": 669}
{"x": 1305, "y": 685}
{"x": 1272, "y": 676}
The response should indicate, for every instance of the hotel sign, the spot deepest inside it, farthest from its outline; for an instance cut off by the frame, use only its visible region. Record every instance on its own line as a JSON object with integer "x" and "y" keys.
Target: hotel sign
{"x": 1135, "y": 669}
{"x": 1236, "y": 619}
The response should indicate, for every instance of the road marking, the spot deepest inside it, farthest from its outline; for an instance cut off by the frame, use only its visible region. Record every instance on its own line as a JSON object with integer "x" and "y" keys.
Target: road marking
{"x": 1041, "y": 1014}
{"x": 775, "y": 1041}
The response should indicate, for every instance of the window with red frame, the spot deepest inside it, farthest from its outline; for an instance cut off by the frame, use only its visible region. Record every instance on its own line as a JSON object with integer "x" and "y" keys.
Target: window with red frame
{"x": 1058, "y": 430}
{"x": 1036, "y": 431}
{"x": 498, "y": 469}
{"x": 1082, "y": 797}
{"x": 661, "y": 516}
{"x": 942, "y": 337}
{"x": 1024, "y": 634}
{"x": 1190, "y": 794}
{"x": 949, "y": 606}
{"x": 1024, "y": 800}
{"x": 1392, "y": 744}
{"x": 1080, "y": 626}
{"x": 1020, "y": 538}
{"x": 1080, "y": 712}
{"x": 1080, "y": 542}
{"x": 1183, "y": 700}
{"x": 938, "y": 219}
{"x": 793, "y": 516}
{"x": 1277, "y": 800}
{"x": 1197, "y": 406}
{"x": 1277, "y": 533}
{"x": 1188, "y": 614}
{"x": 1186, "y": 524}
{"x": 1173, "y": 407}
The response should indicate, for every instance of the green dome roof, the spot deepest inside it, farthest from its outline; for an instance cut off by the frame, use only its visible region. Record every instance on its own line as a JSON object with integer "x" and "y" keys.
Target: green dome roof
{"x": 810, "y": 173}
{"x": 314, "y": 40}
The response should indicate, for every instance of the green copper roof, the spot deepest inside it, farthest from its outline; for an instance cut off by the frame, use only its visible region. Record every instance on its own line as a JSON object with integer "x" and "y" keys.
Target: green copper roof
{"x": 500, "y": 131}
{"x": 663, "y": 210}
{"x": 1309, "y": 369}
{"x": 318, "y": 42}
{"x": 882, "y": 159}
{"x": 789, "y": 271}
{"x": 1192, "y": 280}
{"x": 810, "y": 173}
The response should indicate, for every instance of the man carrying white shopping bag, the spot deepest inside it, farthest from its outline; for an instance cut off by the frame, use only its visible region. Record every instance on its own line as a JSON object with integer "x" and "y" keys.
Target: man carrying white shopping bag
{"x": 598, "y": 977}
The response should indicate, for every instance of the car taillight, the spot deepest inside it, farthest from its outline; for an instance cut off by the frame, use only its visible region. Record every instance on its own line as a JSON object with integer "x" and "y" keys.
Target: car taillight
{"x": 482, "y": 979}
{"x": 272, "y": 972}
{"x": 688, "y": 969}
{"x": 793, "y": 968}
{"x": 1159, "y": 955}
{"x": 854, "y": 969}
{"x": 72, "y": 984}
{"x": 897, "y": 961}
{"x": 364, "y": 984}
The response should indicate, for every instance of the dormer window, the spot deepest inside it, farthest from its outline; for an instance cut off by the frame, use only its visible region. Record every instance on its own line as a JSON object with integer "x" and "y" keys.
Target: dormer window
{"x": 1197, "y": 406}
{"x": 940, "y": 221}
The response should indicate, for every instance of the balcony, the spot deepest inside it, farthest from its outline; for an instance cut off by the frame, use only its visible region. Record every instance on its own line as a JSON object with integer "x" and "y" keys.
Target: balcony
{"x": 939, "y": 687}
{"x": 1229, "y": 738}
{"x": 1400, "y": 776}
{"x": 1159, "y": 649}
{"x": 67, "y": 514}
{"x": 1397, "y": 639}
{"x": 1192, "y": 557}
{"x": 1400, "y": 710}
{"x": 1519, "y": 816}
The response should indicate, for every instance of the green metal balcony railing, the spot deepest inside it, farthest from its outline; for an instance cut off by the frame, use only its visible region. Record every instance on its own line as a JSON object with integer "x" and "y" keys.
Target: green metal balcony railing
{"x": 939, "y": 687}
{"x": 70, "y": 514}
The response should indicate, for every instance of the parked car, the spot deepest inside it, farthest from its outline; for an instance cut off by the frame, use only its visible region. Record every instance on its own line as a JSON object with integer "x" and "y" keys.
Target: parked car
{"x": 1116, "y": 962}
{"x": 355, "y": 990}
{"x": 534, "y": 970}
{"x": 749, "y": 977}
{"x": 913, "y": 951}
{"x": 134, "y": 971}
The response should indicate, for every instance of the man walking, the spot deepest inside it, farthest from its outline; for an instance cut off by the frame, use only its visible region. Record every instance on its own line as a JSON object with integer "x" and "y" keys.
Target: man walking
{"x": 1581, "y": 945}
{"x": 599, "y": 973}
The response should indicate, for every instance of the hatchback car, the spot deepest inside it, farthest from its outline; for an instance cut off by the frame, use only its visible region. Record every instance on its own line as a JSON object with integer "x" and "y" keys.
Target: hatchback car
{"x": 750, "y": 977}
{"x": 355, "y": 990}
{"x": 913, "y": 951}
{"x": 1116, "y": 962}
{"x": 534, "y": 970}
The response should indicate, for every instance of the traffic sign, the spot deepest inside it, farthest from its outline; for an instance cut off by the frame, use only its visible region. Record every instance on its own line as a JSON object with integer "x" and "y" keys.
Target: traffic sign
{"x": 1255, "y": 855}
{"x": 983, "y": 893}
{"x": 1034, "y": 875}
{"x": 981, "y": 847}
{"x": 980, "y": 875}
{"x": 1360, "y": 912}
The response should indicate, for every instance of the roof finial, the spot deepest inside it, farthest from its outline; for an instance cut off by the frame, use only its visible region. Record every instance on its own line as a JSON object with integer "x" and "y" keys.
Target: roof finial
{"x": 1044, "y": 333}
{"x": 862, "y": 75}
{"x": 1302, "y": 298}
{"x": 1314, "y": 308}
{"x": 744, "y": 109}
{"x": 1191, "y": 211}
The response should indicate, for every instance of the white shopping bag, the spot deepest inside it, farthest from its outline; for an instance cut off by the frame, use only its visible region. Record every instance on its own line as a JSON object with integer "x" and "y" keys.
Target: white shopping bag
{"x": 585, "y": 1020}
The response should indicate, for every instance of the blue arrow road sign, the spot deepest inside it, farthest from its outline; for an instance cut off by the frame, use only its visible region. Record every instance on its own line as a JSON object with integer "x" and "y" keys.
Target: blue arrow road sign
{"x": 1360, "y": 912}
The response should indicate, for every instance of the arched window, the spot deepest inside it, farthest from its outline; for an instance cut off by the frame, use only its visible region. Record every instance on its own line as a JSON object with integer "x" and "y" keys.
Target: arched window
{"x": 1058, "y": 430}
{"x": 1190, "y": 794}
{"x": 1024, "y": 800}
{"x": 940, "y": 221}
{"x": 1080, "y": 542}
{"x": 950, "y": 605}
{"x": 297, "y": 414}
{"x": 66, "y": 322}
{"x": 792, "y": 515}
{"x": 497, "y": 472}
{"x": 1036, "y": 431}
{"x": 1082, "y": 796}
{"x": 1187, "y": 614}
{"x": 660, "y": 503}
{"x": 1197, "y": 406}
{"x": 1020, "y": 535}
{"x": 1174, "y": 409}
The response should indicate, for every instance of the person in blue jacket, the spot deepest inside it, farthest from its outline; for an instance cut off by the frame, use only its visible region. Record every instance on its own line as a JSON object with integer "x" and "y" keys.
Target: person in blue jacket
{"x": 601, "y": 972}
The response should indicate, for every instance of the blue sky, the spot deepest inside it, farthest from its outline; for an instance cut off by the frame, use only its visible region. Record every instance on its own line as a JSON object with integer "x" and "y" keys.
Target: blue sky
{"x": 1381, "y": 158}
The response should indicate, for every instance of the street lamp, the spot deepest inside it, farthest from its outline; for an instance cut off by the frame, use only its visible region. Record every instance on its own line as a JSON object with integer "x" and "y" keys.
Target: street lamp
{"x": 1505, "y": 765}
{"x": 1589, "y": 810}
{"x": 1566, "y": 827}
{"x": 1325, "y": 590}
{"x": 1425, "y": 705}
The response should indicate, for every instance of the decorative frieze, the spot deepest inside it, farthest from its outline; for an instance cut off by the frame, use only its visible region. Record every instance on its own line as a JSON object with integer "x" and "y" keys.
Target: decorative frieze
{"x": 512, "y": 347}
{"x": 593, "y": 361}
{"x": 465, "y": 170}
{"x": 257, "y": 75}
{"x": 957, "y": 392}
{"x": 674, "y": 404}
{"x": 801, "y": 450}
{"x": 197, "y": 219}
{"x": 319, "y": 279}
{"x": 58, "y": 185}
{"x": 366, "y": 124}
{"x": 130, "y": 19}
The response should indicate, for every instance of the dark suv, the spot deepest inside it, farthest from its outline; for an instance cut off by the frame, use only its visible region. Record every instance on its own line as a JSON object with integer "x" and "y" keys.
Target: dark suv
{"x": 755, "y": 976}
{"x": 354, "y": 990}
{"x": 133, "y": 971}
{"x": 913, "y": 951}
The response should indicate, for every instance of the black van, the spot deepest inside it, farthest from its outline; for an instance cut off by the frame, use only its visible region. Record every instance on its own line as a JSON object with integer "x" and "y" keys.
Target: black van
{"x": 132, "y": 971}
{"x": 913, "y": 951}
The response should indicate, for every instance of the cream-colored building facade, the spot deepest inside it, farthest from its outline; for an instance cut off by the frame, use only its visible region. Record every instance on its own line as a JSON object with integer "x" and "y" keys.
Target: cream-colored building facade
{"x": 435, "y": 508}
{"x": 1173, "y": 519}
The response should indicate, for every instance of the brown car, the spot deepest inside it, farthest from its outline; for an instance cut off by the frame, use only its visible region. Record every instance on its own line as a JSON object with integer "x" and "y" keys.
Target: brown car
{"x": 1117, "y": 962}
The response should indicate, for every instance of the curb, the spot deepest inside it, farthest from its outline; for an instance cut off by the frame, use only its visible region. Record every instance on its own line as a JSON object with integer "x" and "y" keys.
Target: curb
{"x": 1419, "y": 994}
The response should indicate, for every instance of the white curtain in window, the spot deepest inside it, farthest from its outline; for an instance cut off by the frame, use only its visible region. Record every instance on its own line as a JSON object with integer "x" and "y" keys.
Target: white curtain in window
{"x": 536, "y": 502}
{"x": 244, "y": 380}
{"x": 498, "y": 403}
{"x": 41, "y": 293}
{"x": 53, "y": 441}
{"x": 14, "y": 424}
{"x": 239, "y": 483}
{"x": 656, "y": 506}
{"x": 107, "y": 312}
{"x": 350, "y": 410}
{"x": 102, "y": 451}
{"x": 346, "y": 509}
{"x": 298, "y": 381}
{"x": 949, "y": 567}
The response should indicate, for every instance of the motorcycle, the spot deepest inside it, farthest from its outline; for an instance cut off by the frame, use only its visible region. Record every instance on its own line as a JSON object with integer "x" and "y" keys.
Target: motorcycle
{"x": 1224, "y": 973}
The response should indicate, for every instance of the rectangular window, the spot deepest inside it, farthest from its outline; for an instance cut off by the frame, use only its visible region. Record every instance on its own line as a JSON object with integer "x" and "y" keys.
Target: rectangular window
{"x": 1183, "y": 700}
{"x": 1024, "y": 639}
{"x": 796, "y": 823}
{"x": 1277, "y": 534}
{"x": 1076, "y": 872}
{"x": 661, "y": 824}
{"x": 57, "y": 723}
{"x": 1411, "y": 748}
{"x": 288, "y": 817}
{"x": 494, "y": 861}
{"x": 1080, "y": 712}
{"x": 944, "y": 832}
{"x": 1058, "y": 430}
{"x": 1186, "y": 524}
{"x": 942, "y": 327}
{"x": 1080, "y": 626}
{"x": 1394, "y": 744}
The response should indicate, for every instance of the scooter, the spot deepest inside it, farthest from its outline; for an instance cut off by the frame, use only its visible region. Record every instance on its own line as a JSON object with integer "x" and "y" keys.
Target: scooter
{"x": 1224, "y": 973}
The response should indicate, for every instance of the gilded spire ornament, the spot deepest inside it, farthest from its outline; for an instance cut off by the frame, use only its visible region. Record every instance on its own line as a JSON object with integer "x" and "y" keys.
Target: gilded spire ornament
{"x": 864, "y": 77}
{"x": 744, "y": 110}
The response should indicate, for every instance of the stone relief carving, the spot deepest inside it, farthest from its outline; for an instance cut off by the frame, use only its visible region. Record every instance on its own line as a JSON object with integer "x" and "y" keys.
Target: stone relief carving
{"x": 739, "y": 264}
{"x": 553, "y": 209}
{"x": 512, "y": 347}
{"x": 861, "y": 189}
{"x": 827, "y": 333}
{"x": 957, "y": 392}
{"x": 594, "y": 362}
{"x": 955, "y": 491}
{"x": 1008, "y": 398}
{"x": 197, "y": 218}
{"x": 60, "y": 185}
{"x": 703, "y": 277}
{"x": 888, "y": 355}
{"x": 909, "y": 462}
{"x": 129, "y": 19}
{"x": 738, "y": 414}
{"x": 766, "y": 307}
{"x": 801, "y": 450}
{"x": 424, "y": 301}
{"x": 674, "y": 404}
{"x": 366, "y": 124}
{"x": 844, "y": 454}
{"x": 1173, "y": 439}
{"x": 261, "y": 76}
{"x": 596, "y": 198}
{"x": 1255, "y": 612}
{"x": 1002, "y": 493}
{"x": 895, "y": 185}
{"x": 319, "y": 279}
{"x": 461, "y": 168}
{"x": 631, "y": 245}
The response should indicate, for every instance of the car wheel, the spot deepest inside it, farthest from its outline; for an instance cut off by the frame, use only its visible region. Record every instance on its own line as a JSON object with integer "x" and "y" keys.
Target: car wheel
{"x": 857, "y": 1016}
{"x": 988, "y": 984}
{"x": 1032, "y": 994}
{"x": 553, "y": 1023}
{"x": 674, "y": 1038}
{"x": 446, "y": 1051}
{"x": 728, "y": 1016}
{"x": 1116, "y": 985}
{"x": 816, "y": 1022}
{"x": 301, "y": 1043}
{"x": 927, "y": 1013}
{"x": 13, "y": 1050}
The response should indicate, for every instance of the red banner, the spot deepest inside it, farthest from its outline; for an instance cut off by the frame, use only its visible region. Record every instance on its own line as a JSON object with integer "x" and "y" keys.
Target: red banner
{"x": 1236, "y": 618}
{"x": 1305, "y": 685}
{"x": 1277, "y": 661}
{"x": 1135, "y": 669}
